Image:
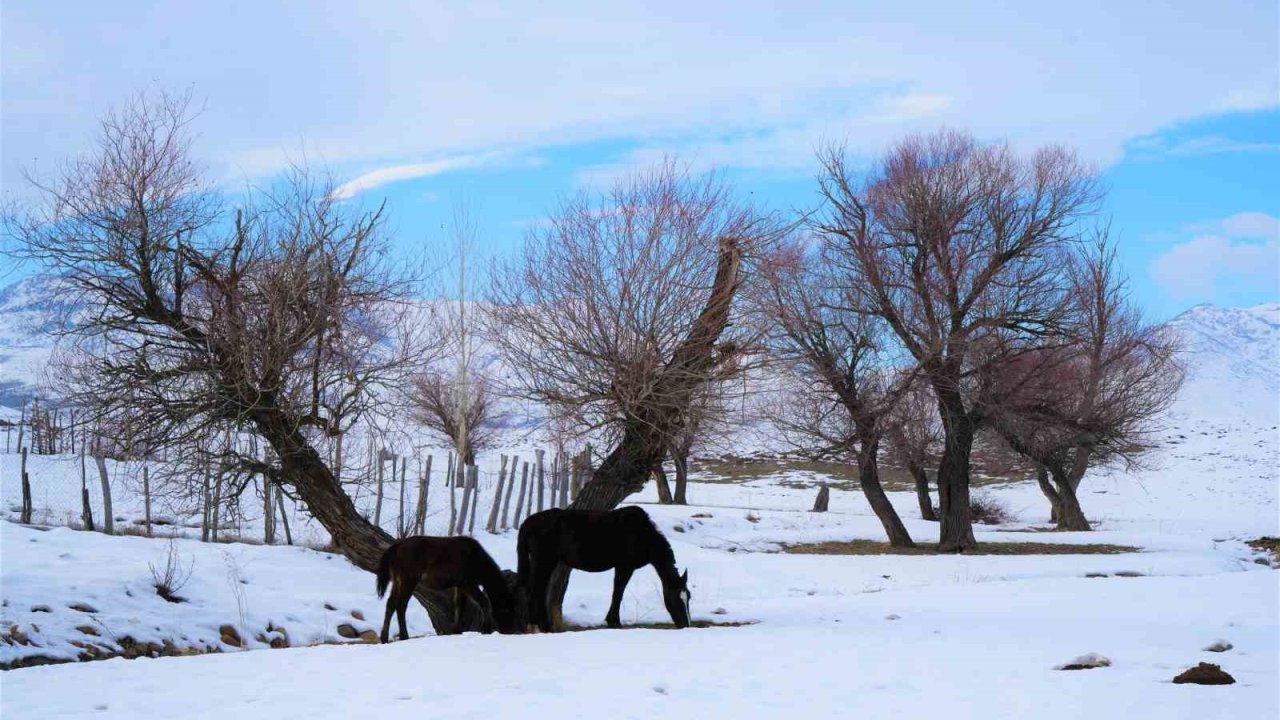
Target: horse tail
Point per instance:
(384, 568)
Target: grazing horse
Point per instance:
(441, 563)
(595, 541)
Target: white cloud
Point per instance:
(1252, 225)
(1243, 255)
(399, 173)
(761, 85)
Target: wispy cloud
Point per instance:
(400, 173)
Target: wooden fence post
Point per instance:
(449, 482)
(86, 509)
(25, 516)
(108, 517)
(538, 454)
(424, 487)
(511, 483)
(474, 473)
(823, 500)
(492, 525)
(524, 482)
(377, 507)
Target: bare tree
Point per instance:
(957, 247)
(618, 313)
(842, 386)
(437, 405)
(1102, 394)
(203, 324)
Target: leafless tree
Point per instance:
(437, 405)
(842, 385)
(618, 313)
(280, 321)
(1102, 394)
(957, 247)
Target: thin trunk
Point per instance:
(402, 526)
(664, 487)
(377, 506)
(146, 498)
(680, 458)
(463, 512)
(424, 487)
(869, 479)
(921, 477)
(1046, 487)
(284, 517)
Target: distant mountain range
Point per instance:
(1232, 355)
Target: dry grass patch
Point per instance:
(877, 547)
(1269, 545)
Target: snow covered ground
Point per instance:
(826, 635)
(832, 636)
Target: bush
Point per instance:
(170, 577)
(989, 511)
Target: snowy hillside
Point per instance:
(1233, 362)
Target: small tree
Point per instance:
(957, 247)
(1099, 395)
(841, 387)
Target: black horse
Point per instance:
(441, 563)
(623, 539)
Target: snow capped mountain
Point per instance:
(1232, 358)
(31, 311)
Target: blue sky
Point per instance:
(509, 106)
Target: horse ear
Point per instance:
(684, 576)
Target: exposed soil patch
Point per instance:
(1204, 674)
(1268, 545)
(877, 547)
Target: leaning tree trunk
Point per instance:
(1046, 487)
(645, 439)
(869, 479)
(664, 487)
(956, 532)
(1070, 514)
(359, 540)
(921, 477)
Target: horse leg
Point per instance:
(541, 580)
(403, 605)
(391, 608)
(621, 576)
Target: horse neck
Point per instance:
(490, 576)
(663, 560)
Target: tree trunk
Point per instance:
(680, 458)
(1070, 514)
(869, 479)
(664, 488)
(921, 477)
(956, 532)
(284, 518)
(86, 509)
(1046, 487)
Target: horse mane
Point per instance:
(664, 555)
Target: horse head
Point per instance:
(675, 594)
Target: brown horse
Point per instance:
(440, 563)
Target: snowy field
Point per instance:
(830, 636)
(817, 636)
